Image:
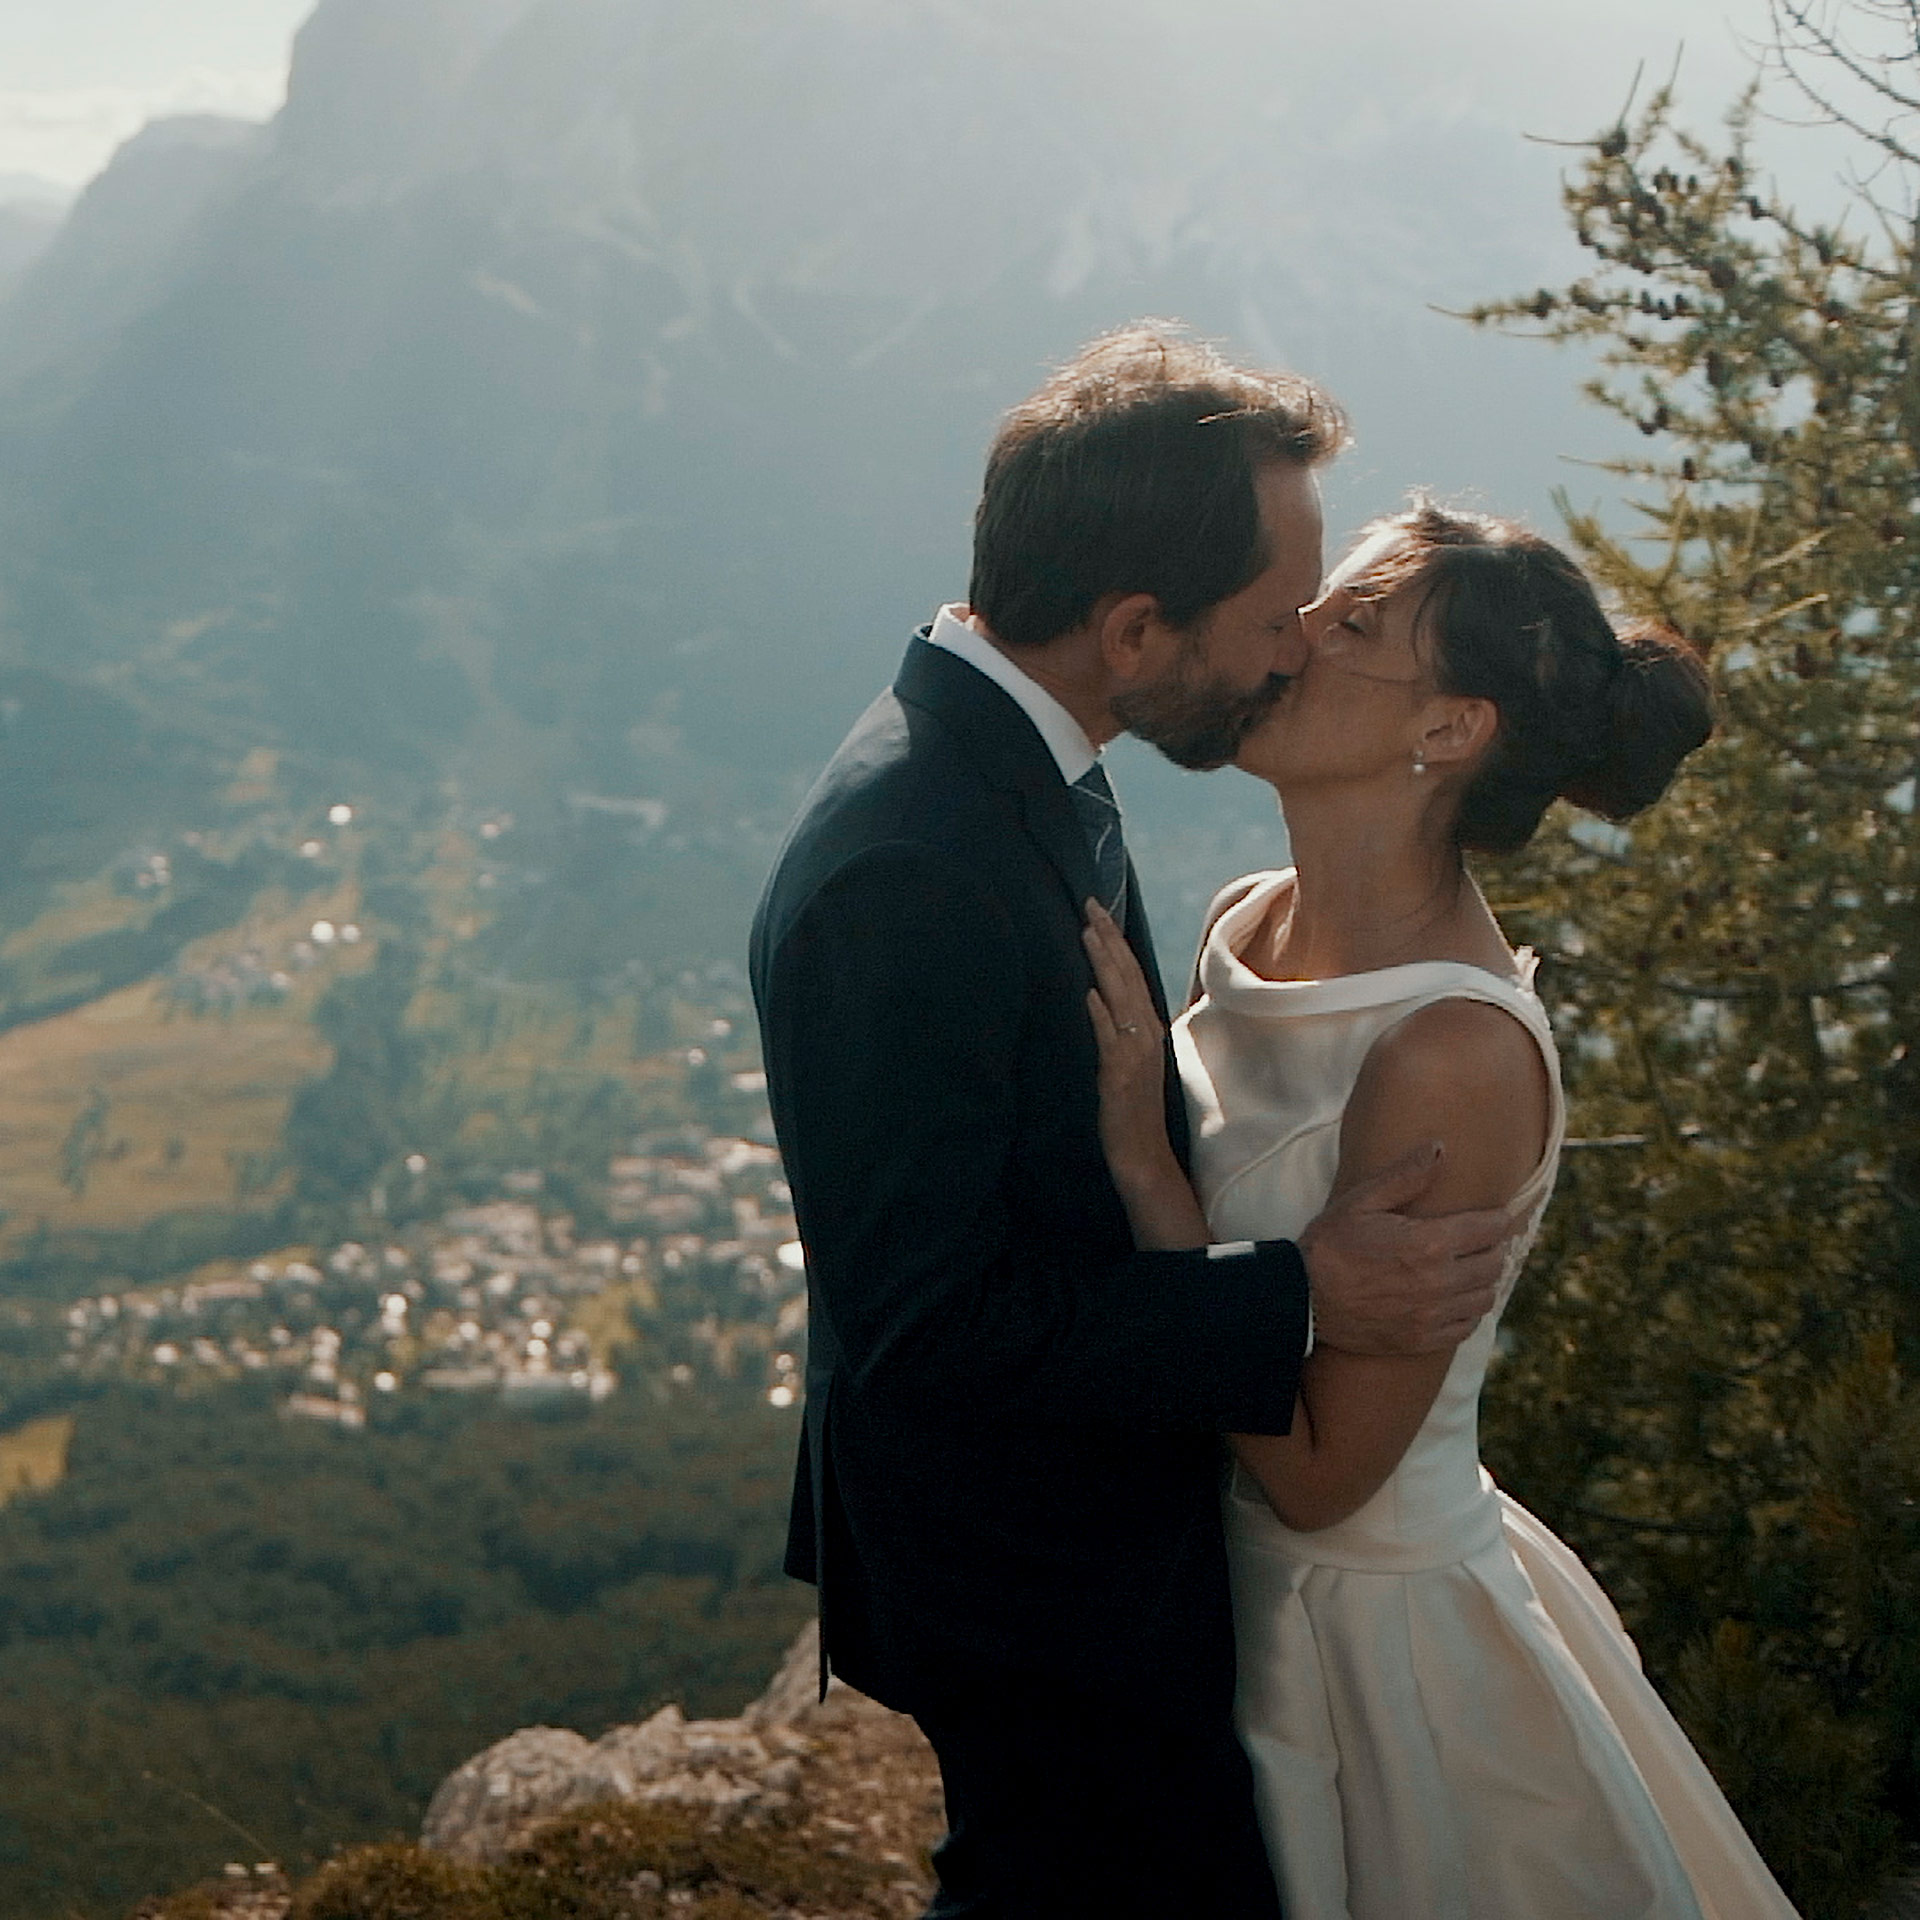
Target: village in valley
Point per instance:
(701, 1283)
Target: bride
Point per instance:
(1444, 1714)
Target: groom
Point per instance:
(1009, 1472)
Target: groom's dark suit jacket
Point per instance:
(1011, 1456)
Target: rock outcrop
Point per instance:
(730, 1810)
(787, 1745)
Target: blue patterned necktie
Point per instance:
(1099, 815)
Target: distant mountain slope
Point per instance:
(31, 210)
(566, 407)
(25, 233)
(121, 247)
(551, 364)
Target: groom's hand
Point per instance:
(1387, 1282)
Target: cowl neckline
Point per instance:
(1227, 980)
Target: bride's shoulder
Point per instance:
(1460, 1039)
(1460, 1065)
(1465, 1074)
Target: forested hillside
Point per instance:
(226, 1632)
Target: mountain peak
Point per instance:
(373, 84)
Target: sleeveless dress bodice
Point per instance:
(1444, 1713)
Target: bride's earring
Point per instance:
(1419, 761)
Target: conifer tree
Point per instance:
(1711, 1387)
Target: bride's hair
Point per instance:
(1589, 712)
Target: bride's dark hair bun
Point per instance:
(1660, 709)
(1587, 713)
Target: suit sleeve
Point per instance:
(893, 1012)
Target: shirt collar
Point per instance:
(1066, 739)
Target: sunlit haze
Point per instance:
(78, 76)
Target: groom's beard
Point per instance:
(1196, 723)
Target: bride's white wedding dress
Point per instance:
(1445, 1717)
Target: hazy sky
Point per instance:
(78, 76)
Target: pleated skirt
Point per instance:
(1470, 1736)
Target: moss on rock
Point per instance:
(615, 1861)
(397, 1881)
(605, 1860)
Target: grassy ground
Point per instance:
(34, 1457)
(182, 1103)
(81, 909)
(186, 1101)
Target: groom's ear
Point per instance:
(1132, 636)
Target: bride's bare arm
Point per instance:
(1471, 1076)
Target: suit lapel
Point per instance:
(1004, 744)
(1008, 749)
(1055, 828)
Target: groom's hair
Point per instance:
(1132, 471)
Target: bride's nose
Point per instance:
(1292, 646)
(1320, 623)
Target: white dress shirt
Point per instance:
(1066, 738)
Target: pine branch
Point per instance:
(1829, 46)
